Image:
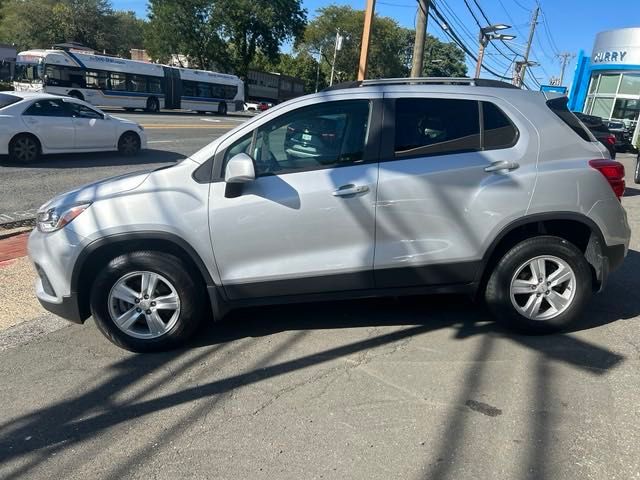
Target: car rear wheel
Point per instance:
(540, 286)
(147, 301)
(24, 148)
(129, 144)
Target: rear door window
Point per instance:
(6, 100)
(436, 126)
(48, 108)
(499, 132)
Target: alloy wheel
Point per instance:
(25, 149)
(144, 304)
(543, 288)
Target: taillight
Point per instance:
(614, 173)
(611, 139)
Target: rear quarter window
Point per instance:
(6, 100)
(559, 107)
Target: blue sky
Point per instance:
(565, 25)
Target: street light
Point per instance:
(487, 34)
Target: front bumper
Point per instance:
(54, 255)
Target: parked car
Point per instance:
(33, 124)
(462, 186)
(264, 105)
(623, 136)
(599, 130)
(251, 106)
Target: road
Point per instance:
(419, 388)
(172, 136)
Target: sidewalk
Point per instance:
(13, 247)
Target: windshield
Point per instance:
(29, 72)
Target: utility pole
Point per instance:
(366, 39)
(532, 30)
(565, 58)
(421, 32)
(337, 46)
(318, 68)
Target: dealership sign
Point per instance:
(610, 56)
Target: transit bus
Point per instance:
(117, 82)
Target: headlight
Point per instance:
(55, 218)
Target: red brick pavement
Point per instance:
(13, 247)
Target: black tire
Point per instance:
(153, 105)
(222, 108)
(497, 292)
(76, 94)
(190, 292)
(636, 177)
(129, 144)
(24, 148)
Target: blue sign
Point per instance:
(553, 89)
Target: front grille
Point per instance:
(46, 284)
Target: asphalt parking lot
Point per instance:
(413, 388)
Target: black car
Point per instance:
(600, 131)
(623, 136)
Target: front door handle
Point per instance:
(502, 165)
(350, 189)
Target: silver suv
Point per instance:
(385, 187)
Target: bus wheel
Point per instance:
(153, 105)
(129, 144)
(222, 108)
(76, 94)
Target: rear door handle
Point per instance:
(502, 165)
(350, 189)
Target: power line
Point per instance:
(490, 23)
(521, 6)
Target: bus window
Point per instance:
(61, 76)
(155, 85)
(230, 92)
(189, 88)
(137, 83)
(203, 90)
(96, 79)
(118, 81)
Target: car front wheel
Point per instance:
(541, 285)
(147, 301)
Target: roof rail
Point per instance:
(475, 82)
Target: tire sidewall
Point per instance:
(125, 135)
(170, 267)
(24, 162)
(153, 105)
(498, 288)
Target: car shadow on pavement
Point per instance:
(631, 192)
(120, 398)
(98, 159)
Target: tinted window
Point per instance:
(96, 79)
(433, 126)
(64, 76)
(189, 89)
(155, 85)
(203, 90)
(314, 137)
(82, 111)
(137, 83)
(118, 81)
(6, 100)
(47, 108)
(499, 132)
(559, 107)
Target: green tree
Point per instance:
(390, 50)
(222, 34)
(442, 59)
(42, 23)
(387, 52)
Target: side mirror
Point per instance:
(240, 169)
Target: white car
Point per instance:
(32, 124)
(251, 106)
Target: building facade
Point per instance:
(607, 84)
(7, 62)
